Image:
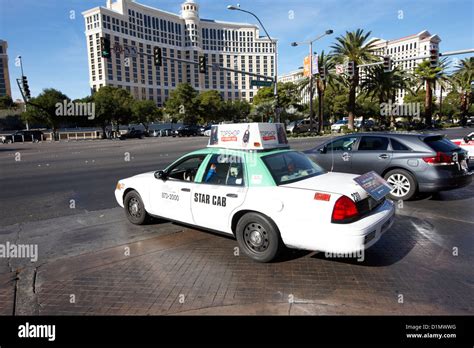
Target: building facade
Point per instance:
(408, 47)
(134, 29)
(5, 87)
(296, 76)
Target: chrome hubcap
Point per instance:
(400, 184)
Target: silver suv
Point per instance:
(409, 162)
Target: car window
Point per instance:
(398, 146)
(224, 170)
(440, 144)
(342, 144)
(186, 169)
(373, 144)
(291, 166)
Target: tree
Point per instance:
(183, 104)
(235, 110)
(264, 95)
(264, 111)
(145, 111)
(112, 104)
(427, 77)
(288, 95)
(462, 79)
(6, 102)
(353, 46)
(42, 109)
(210, 105)
(383, 85)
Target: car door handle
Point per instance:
(232, 195)
(186, 189)
(383, 156)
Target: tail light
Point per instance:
(344, 210)
(440, 159)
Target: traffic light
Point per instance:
(387, 64)
(322, 73)
(202, 64)
(105, 47)
(157, 57)
(26, 88)
(434, 55)
(350, 68)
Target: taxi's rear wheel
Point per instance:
(258, 237)
(134, 208)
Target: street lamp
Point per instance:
(310, 43)
(275, 55)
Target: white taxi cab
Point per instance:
(466, 143)
(248, 183)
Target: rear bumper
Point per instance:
(445, 184)
(352, 237)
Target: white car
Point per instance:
(466, 143)
(336, 127)
(249, 184)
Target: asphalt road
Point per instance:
(46, 180)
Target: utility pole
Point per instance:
(311, 94)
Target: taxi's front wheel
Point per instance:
(258, 237)
(134, 208)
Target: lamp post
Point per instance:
(311, 94)
(275, 55)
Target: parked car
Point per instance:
(161, 132)
(301, 126)
(187, 131)
(466, 143)
(207, 131)
(336, 127)
(22, 136)
(133, 134)
(409, 162)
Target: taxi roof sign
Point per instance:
(248, 136)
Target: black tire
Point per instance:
(134, 208)
(265, 244)
(407, 185)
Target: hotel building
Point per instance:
(5, 88)
(408, 47)
(134, 29)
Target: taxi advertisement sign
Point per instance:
(374, 185)
(248, 136)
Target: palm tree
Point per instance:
(427, 77)
(384, 85)
(353, 46)
(319, 87)
(462, 79)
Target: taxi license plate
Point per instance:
(464, 165)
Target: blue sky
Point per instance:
(53, 45)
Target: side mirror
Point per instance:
(323, 149)
(161, 175)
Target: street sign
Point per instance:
(340, 69)
(259, 83)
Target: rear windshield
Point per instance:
(440, 144)
(288, 167)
